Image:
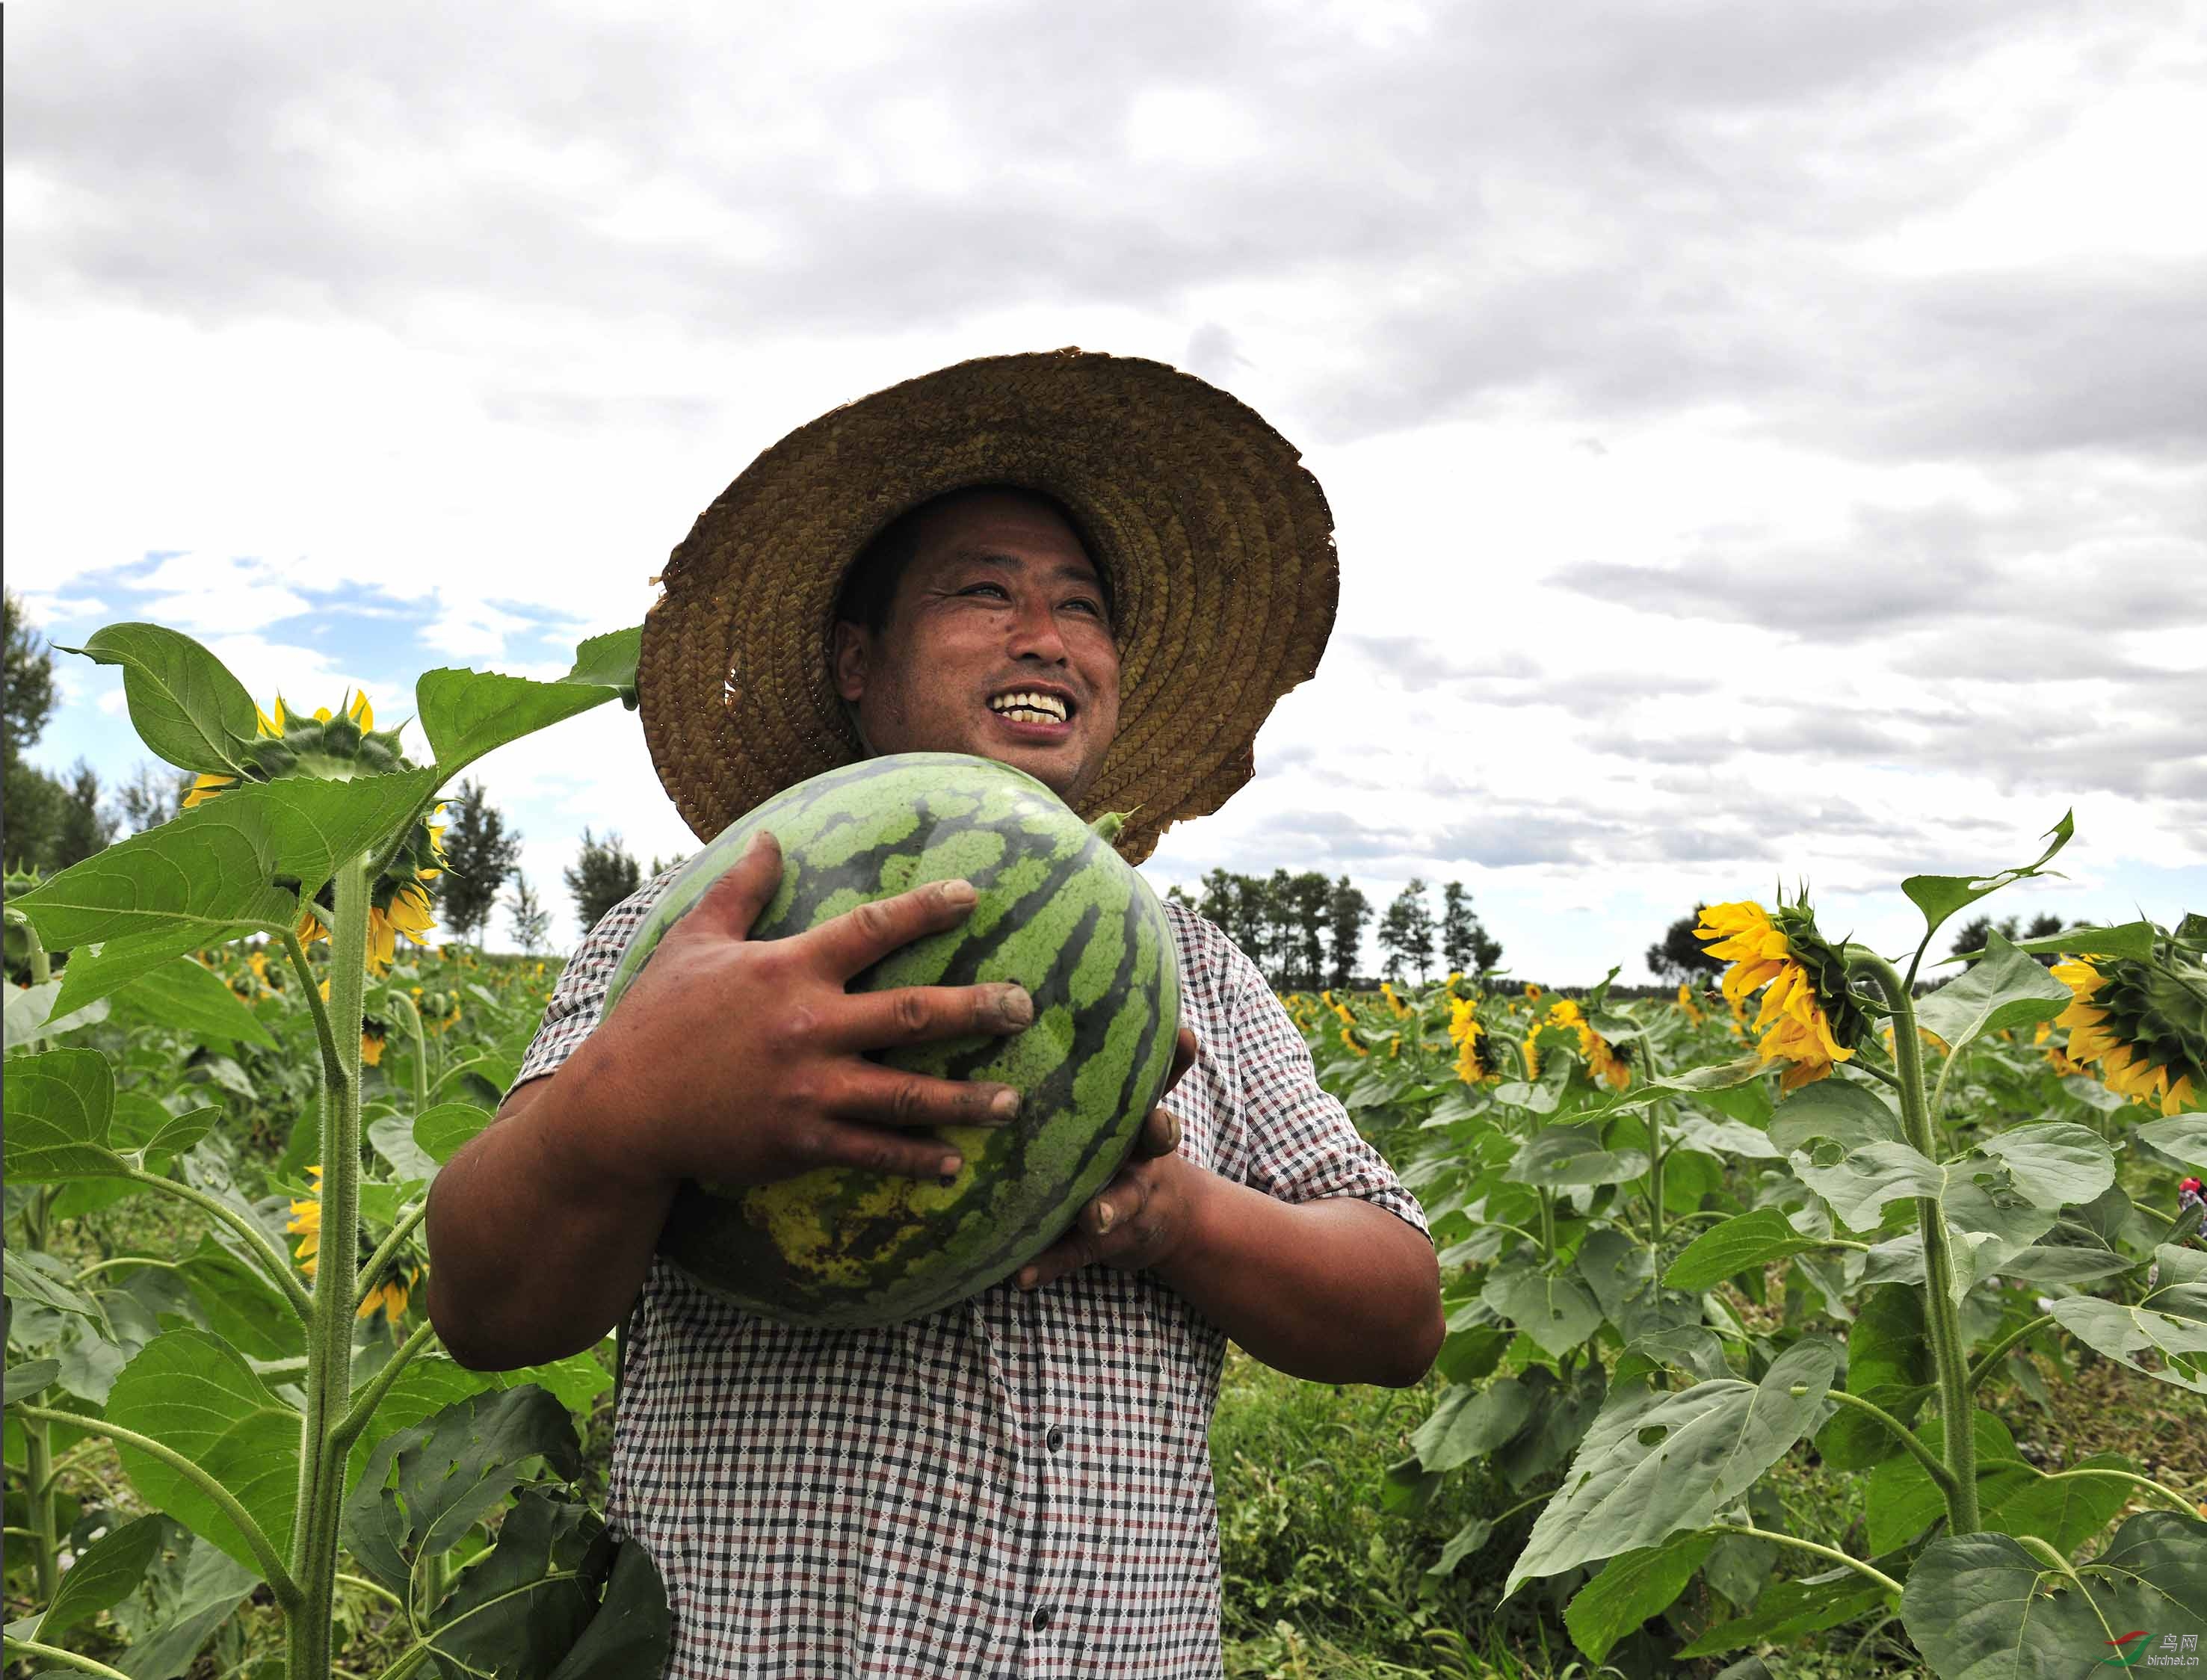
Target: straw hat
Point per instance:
(1217, 544)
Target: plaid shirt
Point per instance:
(1019, 1486)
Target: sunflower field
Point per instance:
(1849, 1308)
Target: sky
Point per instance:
(1765, 443)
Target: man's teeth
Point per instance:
(1029, 708)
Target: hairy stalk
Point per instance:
(329, 1336)
(1941, 1318)
(39, 1437)
(363, 1407)
(421, 1037)
(2094, 1470)
(1934, 1466)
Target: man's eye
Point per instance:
(1086, 605)
(976, 588)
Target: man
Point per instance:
(1104, 573)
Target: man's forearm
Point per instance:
(1333, 1291)
(534, 1256)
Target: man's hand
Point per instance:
(742, 1060)
(1140, 1217)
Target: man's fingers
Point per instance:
(1160, 1135)
(1115, 1208)
(887, 1097)
(1071, 1252)
(922, 1014)
(842, 1143)
(740, 897)
(1183, 1059)
(859, 938)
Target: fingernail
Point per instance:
(1018, 1007)
(1102, 1216)
(958, 894)
(1172, 1130)
(1005, 1104)
(951, 1163)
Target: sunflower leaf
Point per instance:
(1573, 1154)
(106, 1573)
(467, 714)
(2172, 1322)
(1982, 1605)
(2131, 939)
(1655, 1464)
(2005, 990)
(1631, 1589)
(184, 703)
(58, 1107)
(1939, 896)
(194, 1392)
(195, 878)
(1748, 1242)
(191, 997)
(1558, 1313)
(2184, 1137)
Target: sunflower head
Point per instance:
(1809, 1017)
(2144, 1021)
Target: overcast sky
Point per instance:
(1765, 441)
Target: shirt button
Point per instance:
(1055, 1438)
(1042, 1618)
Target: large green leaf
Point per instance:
(1700, 1082)
(200, 875)
(1835, 1109)
(96, 972)
(1746, 1242)
(192, 998)
(1791, 1609)
(1573, 1154)
(2172, 1322)
(2067, 1265)
(1654, 1464)
(1563, 1412)
(633, 1629)
(2129, 939)
(30, 1014)
(240, 1305)
(1721, 1137)
(58, 1105)
(1621, 1275)
(391, 1137)
(443, 1131)
(105, 1572)
(467, 714)
(2006, 988)
(40, 1279)
(1470, 1423)
(1558, 1313)
(184, 703)
(212, 1588)
(1983, 1607)
(452, 1470)
(193, 1392)
(1939, 896)
(2183, 1137)
(1631, 1589)
(2056, 1165)
(517, 1611)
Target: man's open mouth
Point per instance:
(1028, 705)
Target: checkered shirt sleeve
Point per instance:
(1018, 1486)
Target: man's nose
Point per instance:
(1035, 634)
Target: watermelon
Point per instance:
(1061, 913)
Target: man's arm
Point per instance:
(730, 1060)
(1337, 1290)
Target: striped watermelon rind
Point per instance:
(1059, 911)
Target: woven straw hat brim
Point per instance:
(1217, 542)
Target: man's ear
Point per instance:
(849, 663)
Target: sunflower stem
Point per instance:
(1942, 1319)
(1999, 1349)
(421, 1050)
(38, 1435)
(329, 1339)
(372, 1268)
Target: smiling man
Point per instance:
(1104, 573)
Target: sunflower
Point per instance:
(1349, 1040)
(1394, 1002)
(339, 747)
(1808, 1017)
(1603, 1061)
(1693, 1010)
(392, 1290)
(1464, 1032)
(2144, 1022)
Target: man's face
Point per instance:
(997, 645)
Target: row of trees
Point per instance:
(1306, 931)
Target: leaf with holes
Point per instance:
(1983, 1606)
(2171, 1322)
(1558, 1313)
(1654, 1464)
